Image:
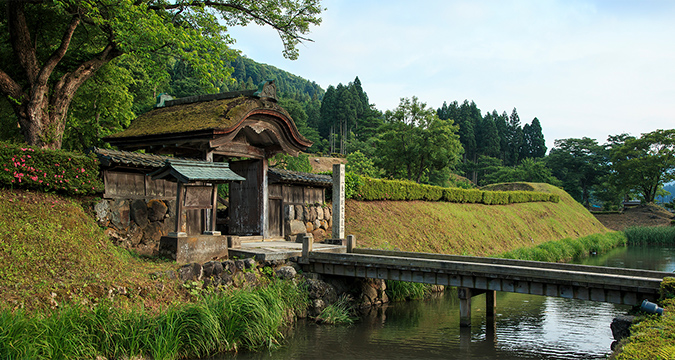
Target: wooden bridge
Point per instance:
(476, 275)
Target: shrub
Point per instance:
(48, 170)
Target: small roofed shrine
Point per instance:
(197, 190)
(244, 128)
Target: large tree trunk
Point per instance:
(42, 105)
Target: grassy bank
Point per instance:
(469, 229)
(231, 320)
(51, 252)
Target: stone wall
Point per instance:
(137, 224)
(312, 219)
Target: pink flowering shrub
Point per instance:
(22, 166)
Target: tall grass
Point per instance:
(339, 312)
(231, 320)
(656, 235)
(404, 290)
(569, 249)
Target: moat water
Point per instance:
(525, 327)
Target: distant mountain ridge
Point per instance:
(249, 73)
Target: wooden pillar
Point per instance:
(180, 197)
(214, 207)
(464, 306)
(338, 201)
(264, 199)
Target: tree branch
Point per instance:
(9, 87)
(20, 39)
(219, 5)
(59, 53)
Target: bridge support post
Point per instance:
(464, 306)
(465, 295)
(490, 302)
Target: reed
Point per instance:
(655, 235)
(569, 249)
(229, 320)
(404, 290)
(340, 312)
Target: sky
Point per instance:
(584, 68)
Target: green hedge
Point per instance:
(22, 166)
(365, 188)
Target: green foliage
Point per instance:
(22, 166)
(404, 290)
(293, 163)
(644, 164)
(360, 164)
(402, 190)
(93, 33)
(414, 141)
(338, 313)
(242, 319)
(652, 235)
(668, 288)
(529, 170)
(353, 183)
(580, 164)
(569, 249)
(652, 337)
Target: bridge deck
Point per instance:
(621, 286)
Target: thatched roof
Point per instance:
(198, 124)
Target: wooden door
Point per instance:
(275, 212)
(245, 198)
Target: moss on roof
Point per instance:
(210, 115)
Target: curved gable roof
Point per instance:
(210, 121)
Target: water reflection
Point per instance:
(524, 327)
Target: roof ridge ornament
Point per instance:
(267, 90)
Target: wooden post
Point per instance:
(464, 306)
(179, 207)
(307, 244)
(351, 243)
(264, 199)
(214, 208)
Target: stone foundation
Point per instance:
(310, 219)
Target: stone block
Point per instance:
(319, 212)
(297, 227)
(286, 272)
(289, 212)
(309, 226)
(120, 214)
(152, 233)
(193, 248)
(139, 213)
(319, 235)
(156, 210)
(317, 224)
(299, 213)
(102, 209)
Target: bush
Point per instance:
(365, 188)
(48, 170)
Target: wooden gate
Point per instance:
(245, 198)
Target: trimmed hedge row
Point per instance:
(21, 166)
(378, 189)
